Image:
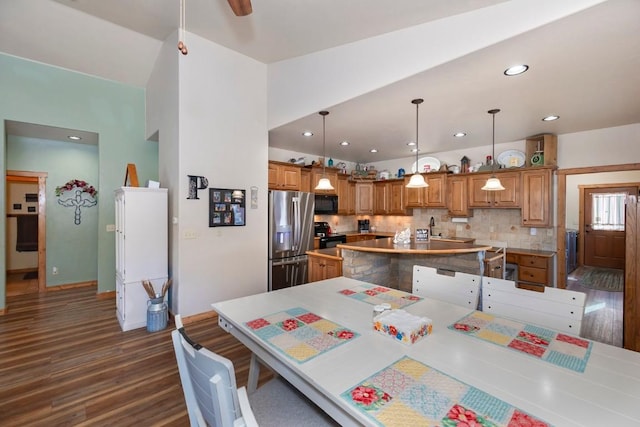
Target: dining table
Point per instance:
(320, 337)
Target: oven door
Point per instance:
(332, 241)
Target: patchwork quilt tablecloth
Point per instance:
(375, 294)
(300, 334)
(410, 393)
(554, 347)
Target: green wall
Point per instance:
(46, 95)
(72, 248)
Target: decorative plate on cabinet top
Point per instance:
(426, 164)
(511, 159)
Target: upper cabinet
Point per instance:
(389, 197)
(364, 198)
(457, 198)
(536, 197)
(330, 173)
(541, 150)
(284, 176)
(507, 198)
(305, 180)
(346, 195)
(433, 196)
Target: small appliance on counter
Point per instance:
(363, 225)
(327, 238)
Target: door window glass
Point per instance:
(608, 211)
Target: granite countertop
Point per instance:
(431, 247)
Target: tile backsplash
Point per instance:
(486, 224)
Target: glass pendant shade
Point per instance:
(493, 184)
(324, 183)
(417, 180)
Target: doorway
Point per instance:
(32, 279)
(626, 175)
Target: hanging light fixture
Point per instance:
(493, 183)
(324, 183)
(417, 180)
(182, 47)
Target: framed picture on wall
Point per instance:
(226, 207)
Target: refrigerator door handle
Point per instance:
(289, 262)
(296, 216)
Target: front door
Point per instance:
(604, 226)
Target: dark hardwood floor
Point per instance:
(603, 316)
(65, 362)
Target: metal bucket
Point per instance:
(157, 314)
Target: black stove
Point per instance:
(327, 238)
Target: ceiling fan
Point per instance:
(241, 7)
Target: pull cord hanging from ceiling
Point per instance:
(182, 47)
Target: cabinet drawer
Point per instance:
(532, 261)
(530, 274)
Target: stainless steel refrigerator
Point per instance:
(290, 236)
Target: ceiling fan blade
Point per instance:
(241, 7)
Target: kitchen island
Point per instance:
(384, 263)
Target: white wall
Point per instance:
(222, 136)
(610, 146)
(336, 75)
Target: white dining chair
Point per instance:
(451, 286)
(212, 398)
(559, 309)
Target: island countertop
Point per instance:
(430, 247)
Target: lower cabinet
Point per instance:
(534, 271)
(321, 268)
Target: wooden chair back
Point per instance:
(461, 289)
(559, 309)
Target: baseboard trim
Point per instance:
(72, 286)
(198, 317)
(106, 295)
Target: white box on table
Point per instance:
(402, 326)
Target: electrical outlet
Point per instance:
(190, 234)
(54, 270)
(533, 231)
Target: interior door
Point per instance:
(604, 223)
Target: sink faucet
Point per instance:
(432, 223)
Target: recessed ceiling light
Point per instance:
(344, 143)
(373, 150)
(459, 134)
(74, 137)
(516, 69)
(550, 118)
(411, 143)
(307, 133)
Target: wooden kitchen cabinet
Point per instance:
(322, 268)
(352, 238)
(547, 144)
(536, 197)
(507, 198)
(332, 176)
(364, 198)
(305, 180)
(380, 198)
(346, 195)
(284, 176)
(433, 196)
(457, 198)
(534, 271)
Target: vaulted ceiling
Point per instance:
(583, 67)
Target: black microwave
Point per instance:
(326, 205)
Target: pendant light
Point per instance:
(493, 183)
(417, 180)
(324, 183)
(182, 47)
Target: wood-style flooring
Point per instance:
(603, 316)
(64, 361)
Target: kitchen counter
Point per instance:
(423, 248)
(533, 252)
(331, 253)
